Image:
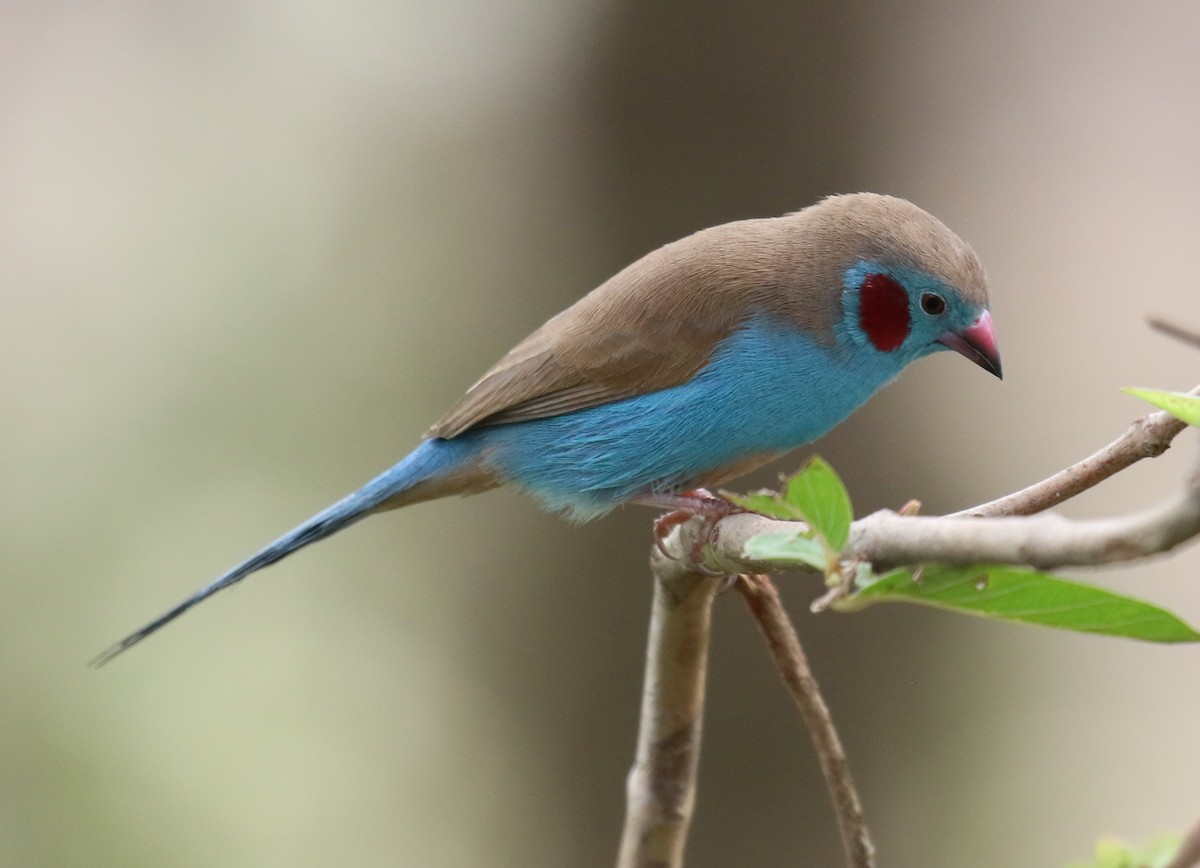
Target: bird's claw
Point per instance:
(696, 503)
(664, 524)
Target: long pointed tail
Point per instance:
(434, 469)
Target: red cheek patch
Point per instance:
(883, 312)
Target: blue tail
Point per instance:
(434, 469)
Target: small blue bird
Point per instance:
(702, 360)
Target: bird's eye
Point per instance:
(933, 304)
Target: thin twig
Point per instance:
(661, 789)
(763, 600)
(1175, 330)
(1148, 437)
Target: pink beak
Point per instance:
(978, 343)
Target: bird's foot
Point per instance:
(698, 501)
(685, 506)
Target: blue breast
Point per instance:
(769, 387)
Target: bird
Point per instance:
(702, 360)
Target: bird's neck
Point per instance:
(798, 388)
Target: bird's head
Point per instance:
(908, 285)
(911, 313)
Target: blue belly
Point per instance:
(768, 388)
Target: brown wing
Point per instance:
(650, 327)
(655, 324)
(568, 365)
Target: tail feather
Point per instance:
(433, 469)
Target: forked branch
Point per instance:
(1006, 530)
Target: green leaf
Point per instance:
(1115, 853)
(765, 503)
(1027, 596)
(787, 547)
(819, 495)
(1158, 853)
(1179, 404)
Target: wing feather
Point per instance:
(649, 327)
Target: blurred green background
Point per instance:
(249, 250)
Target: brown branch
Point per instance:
(1042, 541)
(763, 600)
(1175, 330)
(661, 789)
(882, 539)
(1148, 437)
(688, 564)
(886, 539)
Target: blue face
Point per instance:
(901, 312)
